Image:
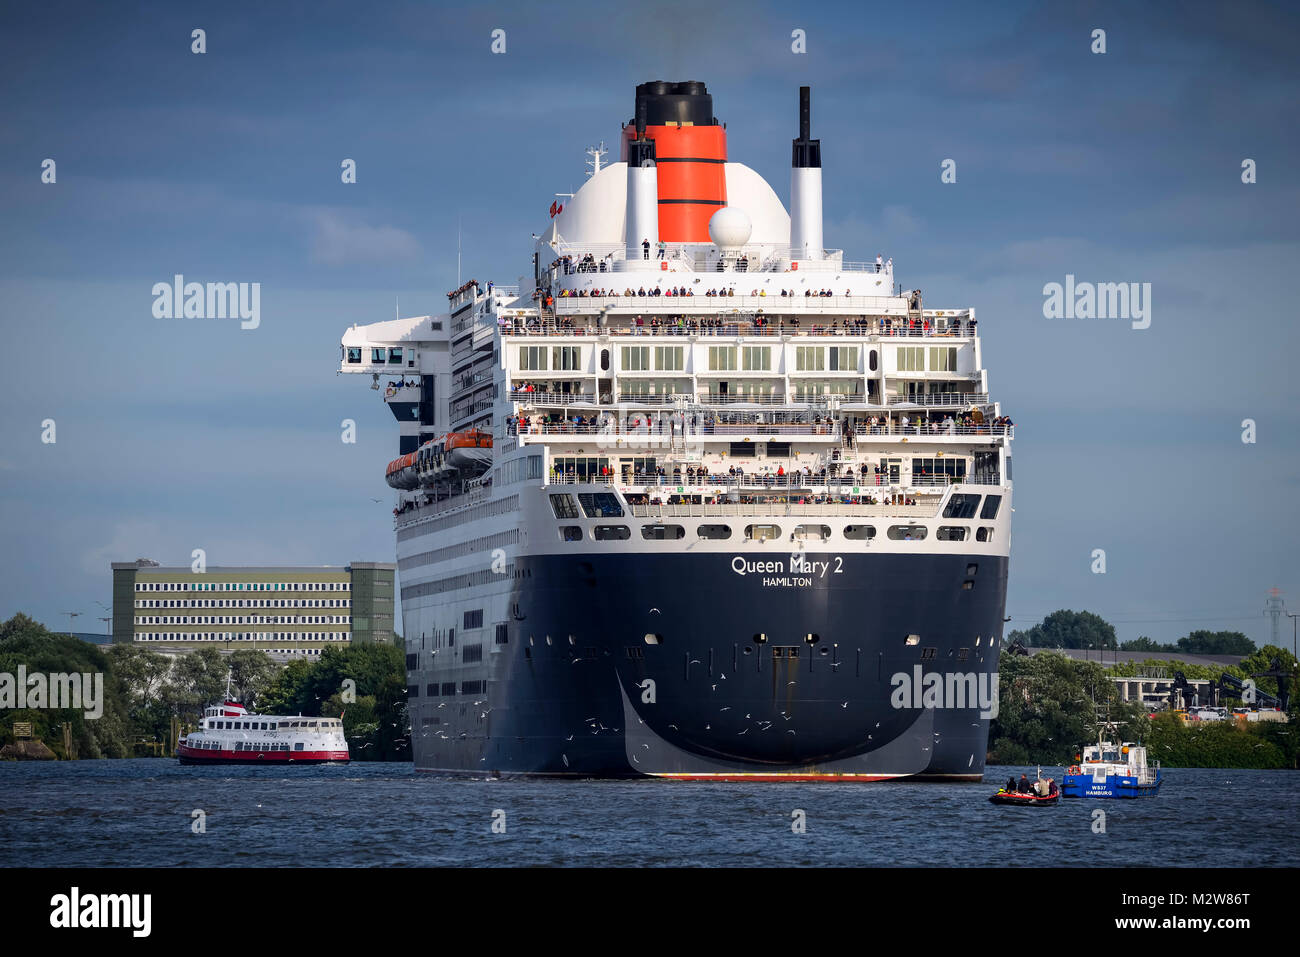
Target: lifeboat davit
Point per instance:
(455, 455)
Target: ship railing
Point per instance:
(941, 399)
(688, 314)
(550, 398)
(816, 484)
(780, 428)
(767, 428)
(782, 509)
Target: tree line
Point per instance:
(149, 697)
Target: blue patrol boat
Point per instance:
(1112, 770)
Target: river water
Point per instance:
(141, 812)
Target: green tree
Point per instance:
(1216, 643)
(1143, 643)
(251, 673)
(1069, 629)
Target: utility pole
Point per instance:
(72, 616)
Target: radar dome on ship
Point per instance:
(730, 227)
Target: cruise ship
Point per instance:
(696, 497)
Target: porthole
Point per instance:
(859, 533)
(811, 639)
(913, 640)
(714, 531)
(760, 638)
(652, 639)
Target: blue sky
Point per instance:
(1123, 167)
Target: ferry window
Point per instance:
(570, 533)
(604, 360)
(872, 360)
(395, 356)
(297, 746)
(859, 533)
(907, 533)
(762, 533)
(943, 359)
(376, 355)
(607, 533)
(659, 533)
(563, 506)
(952, 533)
(714, 531)
(984, 534)
(742, 449)
(991, 505)
(961, 506)
(938, 471)
(778, 450)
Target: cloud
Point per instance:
(337, 242)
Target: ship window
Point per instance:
(376, 355)
(762, 533)
(991, 504)
(502, 634)
(604, 360)
(813, 531)
(859, 533)
(983, 534)
(570, 533)
(564, 506)
(872, 359)
(611, 533)
(714, 531)
(354, 355)
(952, 533)
(972, 569)
(760, 638)
(654, 639)
(297, 746)
(600, 504)
(811, 639)
(912, 640)
(961, 506)
(907, 533)
(395, 356)
(967, 585)
(659, 533)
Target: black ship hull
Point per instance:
(734, 667)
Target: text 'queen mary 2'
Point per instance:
(699, 498)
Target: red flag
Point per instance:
(552, 210)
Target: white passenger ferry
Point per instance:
(230, 734)
(692, 498)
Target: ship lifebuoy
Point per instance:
(1073, 770)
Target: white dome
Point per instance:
(730, 227)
